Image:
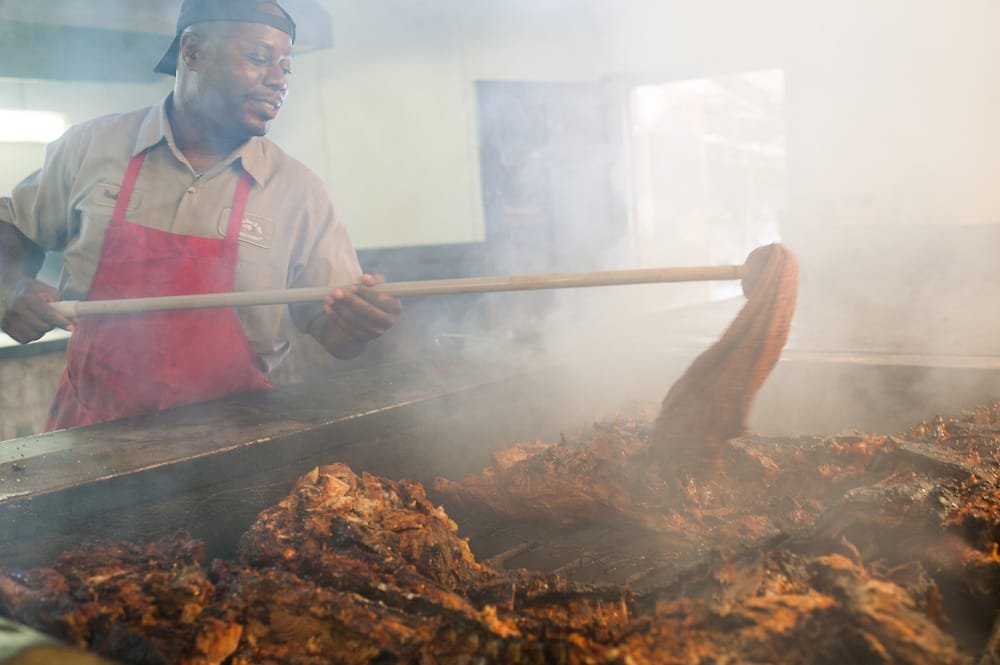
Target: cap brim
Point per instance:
(168, 63)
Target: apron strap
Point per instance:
(239, 207)
(128, 185)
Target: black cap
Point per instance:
(202, 11)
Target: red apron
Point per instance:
(128, 364)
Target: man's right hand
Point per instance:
(28, 314)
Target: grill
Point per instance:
(211, 468)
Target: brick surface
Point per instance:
(27, 386)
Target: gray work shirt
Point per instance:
(290, 236)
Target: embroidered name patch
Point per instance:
(106, 194)
(253, 230)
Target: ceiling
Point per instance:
(112, 40)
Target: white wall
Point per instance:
(399, 144)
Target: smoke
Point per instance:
(871, 164)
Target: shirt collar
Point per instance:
(254, 160)
(155, 128)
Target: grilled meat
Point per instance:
(577, 480)
(777, 607)
(136, 603)
(765, 486)
(856, 548)
(366, 534)
(290, 620)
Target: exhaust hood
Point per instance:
(112, 40)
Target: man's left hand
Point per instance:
(358, 314)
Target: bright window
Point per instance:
(19, 126)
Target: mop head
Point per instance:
(711, 402)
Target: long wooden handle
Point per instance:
(75, 308)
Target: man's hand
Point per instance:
(357, 315)
(28, 314)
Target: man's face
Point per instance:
(244, 77)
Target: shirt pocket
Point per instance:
(92, 218)
(95, 209)
(103, 197)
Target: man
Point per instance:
(184, 197)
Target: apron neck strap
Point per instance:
(239, 205)
(128, 185)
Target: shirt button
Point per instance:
(191, 190)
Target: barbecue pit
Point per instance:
(218, 465)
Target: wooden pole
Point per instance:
(75, 308)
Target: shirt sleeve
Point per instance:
(39, 206)
(331, 261)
